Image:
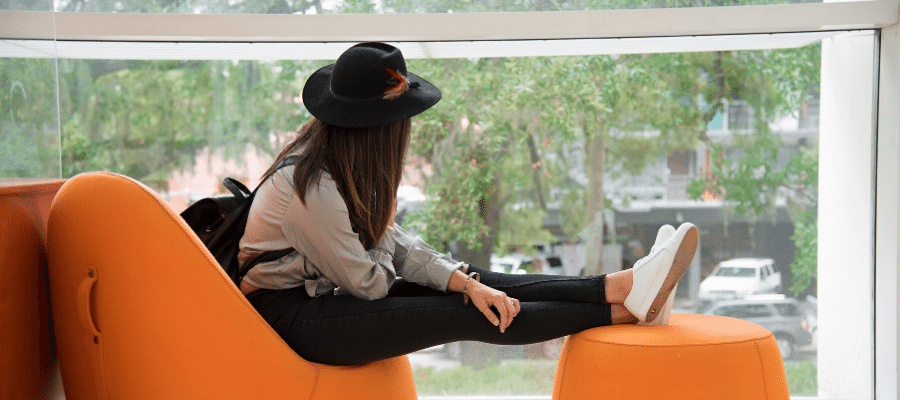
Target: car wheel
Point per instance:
(785, 346)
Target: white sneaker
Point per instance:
(665, 232)
(656, 275)
(663, 319)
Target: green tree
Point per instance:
(148, 118)
(774, 83)
(29, 123)
(596, 103)
(502, 140)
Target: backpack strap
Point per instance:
(236, 188)
(265, 256)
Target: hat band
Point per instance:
(409, 85)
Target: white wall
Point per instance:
(846, 211)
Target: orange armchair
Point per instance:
(142, 310)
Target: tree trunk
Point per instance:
(477, 354)
(490, 214)
(536, 171)
(596, 147)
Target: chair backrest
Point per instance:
(142, 310)
(27, 352)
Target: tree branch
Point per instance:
(537, 167)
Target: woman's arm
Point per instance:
(320, 230)
(417, 262)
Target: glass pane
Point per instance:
(29, 122)
(500, 172)
(26, 5)
(679, 144)
(179, 126)
(383, 7)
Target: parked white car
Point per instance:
(741, 277)
(508, 264)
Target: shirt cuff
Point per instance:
(441, 270)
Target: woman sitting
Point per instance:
(359, 288)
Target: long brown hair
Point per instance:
(365, 163)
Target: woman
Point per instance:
(335, 205)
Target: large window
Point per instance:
(751, 137)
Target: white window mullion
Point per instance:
(887, 233)
(846, 224)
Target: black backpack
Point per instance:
(220, 221)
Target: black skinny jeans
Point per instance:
(339, 329)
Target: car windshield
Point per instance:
(738, 272)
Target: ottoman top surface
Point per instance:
(683, 330)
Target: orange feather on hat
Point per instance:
(401, 87)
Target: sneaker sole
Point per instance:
(683, 258)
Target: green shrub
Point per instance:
(801, 378)
(506, 379)
(532, 379)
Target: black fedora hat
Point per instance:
(367, 86)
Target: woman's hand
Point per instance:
(485, 297)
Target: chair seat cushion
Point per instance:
(694, 357)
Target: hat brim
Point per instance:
(322, 104)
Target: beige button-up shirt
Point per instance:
(328, 252)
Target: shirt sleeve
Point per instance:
(321, 231)
(418, 262)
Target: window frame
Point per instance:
(805, 17)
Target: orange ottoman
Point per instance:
(694, 357)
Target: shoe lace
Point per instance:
(654, 251)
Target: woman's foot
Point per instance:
(618, 284)
(655, 276)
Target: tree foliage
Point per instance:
(148, 118)
(29, 123)
(774, 83)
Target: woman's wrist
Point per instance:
(457, 281)
(475, 279)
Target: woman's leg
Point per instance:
(344, 330)
(608, 289)
(532, 287)
(537, 287)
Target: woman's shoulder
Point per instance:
(325, 190)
